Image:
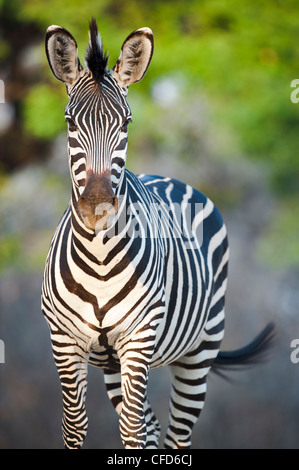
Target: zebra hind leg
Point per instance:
(113, 387)
(188, 391)
(153, 427)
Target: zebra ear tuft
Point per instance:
(135, 57)
(62, 54)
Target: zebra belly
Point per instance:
(187, 305)
(194, 248)
(194, 298)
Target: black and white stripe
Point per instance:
(136, 287)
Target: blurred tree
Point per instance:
(244, 57)
(241, 56)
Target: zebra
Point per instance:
(136, 273)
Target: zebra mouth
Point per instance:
(101, 216)
(97, 205)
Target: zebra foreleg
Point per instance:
(71, 363)
(134, 359)
(113, 387)
(188, 391)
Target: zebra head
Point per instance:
(97, 115)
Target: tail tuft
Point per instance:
(256, 352)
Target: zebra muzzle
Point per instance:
(97, 205)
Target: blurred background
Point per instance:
(216, 110)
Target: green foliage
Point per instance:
(240, 56)
(44, 112)
(243, 56)
(279, 246)
(10, 251)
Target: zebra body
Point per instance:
(188, 297)
(136, 273)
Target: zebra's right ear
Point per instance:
(62, 54)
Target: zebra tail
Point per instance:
(256, 352)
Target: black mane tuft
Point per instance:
(96, 59)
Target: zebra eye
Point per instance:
(71, 124)
(125, 124)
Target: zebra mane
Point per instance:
(95, 58)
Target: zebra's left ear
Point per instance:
(135, 57)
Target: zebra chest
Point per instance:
(100, 297)
(98, 288)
